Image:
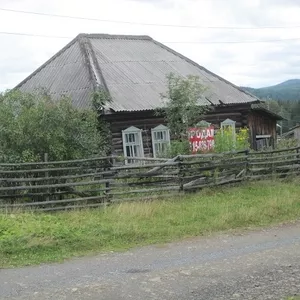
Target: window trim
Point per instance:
(159, 128)
(132, 130)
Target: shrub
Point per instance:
(34, 124)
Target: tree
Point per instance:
(183, 107)
(182, 104)
(34, 124)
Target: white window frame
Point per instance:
(167, 141)
(138, 143)
(228, 123)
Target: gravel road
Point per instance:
(262, 264)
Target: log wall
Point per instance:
(257, 122)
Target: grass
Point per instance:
(28, 238)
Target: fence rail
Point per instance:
(53, 186)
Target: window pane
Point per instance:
(131, 138)
(160, 135)
(128, 151)
(157, 148)
(164, 147)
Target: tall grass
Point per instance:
(32, 238)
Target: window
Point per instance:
(132, 143)
(160, 140)
(229, 127)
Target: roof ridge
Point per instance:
(93, 65)
(47, 62)
(115, 36)
(202, 68)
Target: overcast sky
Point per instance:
(249, 64)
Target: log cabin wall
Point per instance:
(260, 123)
(146, 120)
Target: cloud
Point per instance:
(255, 64)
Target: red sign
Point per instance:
(202, 139)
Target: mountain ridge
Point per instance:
(288, 90)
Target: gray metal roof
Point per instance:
(132, 69)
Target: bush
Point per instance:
(225, 141)
(34, 124)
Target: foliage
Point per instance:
(36, 238)
(99, 99)
(182, 108)
(283, 99)
(225, 141)
(287, 143)
(34, 124)
(178, 148)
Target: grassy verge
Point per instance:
(35, 238)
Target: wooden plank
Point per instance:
(274, 151)
(272, 162)
(133, 167)
(258, 159)
(139, 183)
(213, 184)
(40, 179)
(34, 187)
(212, 154)
(32, 171)
(53, 202)
(55, 162)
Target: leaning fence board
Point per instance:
(213, 184)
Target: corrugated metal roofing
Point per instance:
(132, 68)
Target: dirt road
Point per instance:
(263, 264)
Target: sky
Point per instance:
(250, 62)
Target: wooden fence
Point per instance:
(62, 185)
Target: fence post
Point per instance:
(46, 176)
(180, 173)
(247, 169)
(109, 162)
(298, 156)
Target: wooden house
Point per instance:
(133, 70)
